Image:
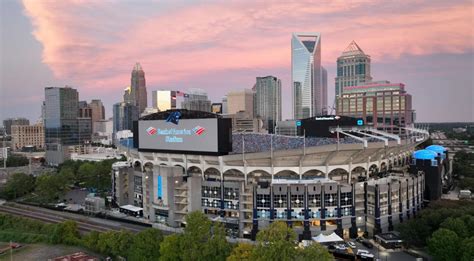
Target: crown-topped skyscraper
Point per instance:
(353, 68)
(136, 94)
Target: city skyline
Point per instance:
(97, 62)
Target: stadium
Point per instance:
(357, 183)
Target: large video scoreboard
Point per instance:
(174, 134)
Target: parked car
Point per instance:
(360, 239)
(367, 244)
(351, 244)
(365, 255)
(362, 251)
(341, 247)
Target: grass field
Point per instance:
(40, 252)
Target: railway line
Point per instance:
(85, 224)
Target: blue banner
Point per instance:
(160, 188)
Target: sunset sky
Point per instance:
(220, 46)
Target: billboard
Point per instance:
(199, 135)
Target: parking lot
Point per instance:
(384, 255)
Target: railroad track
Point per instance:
(49, 217)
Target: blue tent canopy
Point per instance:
(436, 148)
(425, 154)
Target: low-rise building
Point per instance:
(93, 204)
(27, 136)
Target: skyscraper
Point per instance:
(163, 100)
(324, 84)
(94, 111)
(306, 75)
(224, 105)
(84, 110)
(62, 124)
(98, 110)
(124, 116)
(240, 101)
(353, 68)
(196, 100)
(268, 101)
(136, 93)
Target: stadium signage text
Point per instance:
(329, 118)
(171, 133)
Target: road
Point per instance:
(385, 255)
(85, 224)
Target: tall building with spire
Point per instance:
(136, 93)
(353, 68)
(306, 75)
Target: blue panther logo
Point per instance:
(174, 117)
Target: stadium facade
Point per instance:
(317, 185)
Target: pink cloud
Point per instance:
(95, 43)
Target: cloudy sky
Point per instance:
(220, 46)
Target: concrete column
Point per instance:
(350, 171)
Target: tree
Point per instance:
(414, 233)
(16, 161)
(18, 184)
(242, 252)
(203, 240)
(314, 252)
(87, 175)
(276, 242)
(170, 249)
(103, 170)
(67, 174)
(469, 222)
(456, 225)
(115, 243)
(146, 245)
(91, 240)
(217, 247)
(121, 243)
(467, 249)
(50, 187)
(467, 183)
(444, 245)
(66, 233)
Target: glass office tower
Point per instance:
(124, 114)
(306, 75)
(62, 125)
(268, 101)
